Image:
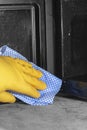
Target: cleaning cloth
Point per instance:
(53, 83)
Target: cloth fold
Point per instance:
(53, 83)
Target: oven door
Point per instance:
(74, 39)
(22, 27)
(17, 29)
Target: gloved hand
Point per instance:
(19, 76)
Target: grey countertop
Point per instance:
(64, 114)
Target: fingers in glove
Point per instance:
(23, 62)
(33, 72)
(6, 97)
(36, 83)
(24, 66)
(29, 70)
(17, 60)
(26, 89)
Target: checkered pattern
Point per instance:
(53, 83)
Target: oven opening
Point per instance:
(79, 39)
(74, 39)
(79, 46)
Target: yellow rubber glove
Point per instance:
(19, 76)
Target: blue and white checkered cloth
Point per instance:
(53, 83)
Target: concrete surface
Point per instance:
(64, 114)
